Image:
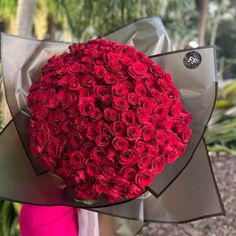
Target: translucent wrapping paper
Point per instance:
(184, 191)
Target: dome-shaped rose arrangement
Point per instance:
(106, 119)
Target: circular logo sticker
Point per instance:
(192, 59)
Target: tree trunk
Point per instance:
(203, 22)
(215, 25)
(25, 12)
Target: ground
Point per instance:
(224, 166)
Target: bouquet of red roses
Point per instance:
(106, 119)
(103, 123)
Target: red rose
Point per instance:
(164, 86)
(146, 103)
(86, 59)
(133, 99)
(117, 128)
(64, 80)
(62, 93)
(128, 117)
(48, 162)
(109, 172)
(120, 184)
(102, 140)
(154, 93)
(167, 77)
(84, 93)
(86, 192)
(176, 154)
(174, 148)
(75, 68)
(41, 135)
(148, 131)
(73, 111)
(186, 117)
(54, 129)
(168, 148)
(38, 111)
(144, 161)
(69, 99)
(64, 170)
(62, 139)
(100, 91)
(174, 94)
(77, 159)
(106, 101)
(87, 148)
(86, 68)
(137, 70)
(179, 127)
(99, 71)
(134, 191)
(80, 124)
(110, 156)
(115, 64)
(98, 154)
(91, 133)
(80, 177)
(102, 127)
(67, 126)
(140, 145)
(126, 60)
(100, 186)
(128, 157)
(62, 70)
(110, 78)
(143, 115)
(165, 99)
(127, 172)
(152, 151)
(161, 137)
(112, 195)
(119, 90)
(86, 106)
(161, 112)
(110, 114)
(140, 89)
(74, 85)
(133, 132)
(47, 94)
(45, 80)
(144, 178)
(53, 102)
(87, 81)
(122, 76)
(176, 108)
(120, 144)
(186, 134)
(76, 139)
(96, 115)
(157, 70)
(92, 169)
(157, 164)
(53, 148)
(120, 104)
(97, 54)
(150, 82)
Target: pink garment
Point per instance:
(48, 221)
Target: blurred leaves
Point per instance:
(9, 219)
(221, 132)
